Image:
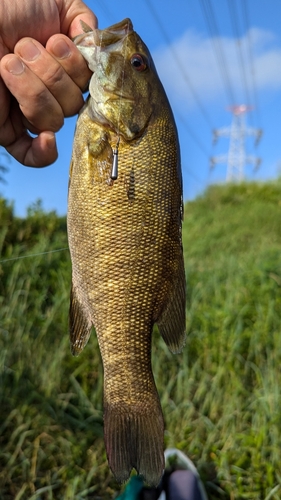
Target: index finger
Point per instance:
(71, 13)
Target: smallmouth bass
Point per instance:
(124, 232)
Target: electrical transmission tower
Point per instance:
(236, 159)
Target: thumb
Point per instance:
(71, 13)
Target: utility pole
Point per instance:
(236, 159)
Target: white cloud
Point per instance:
(195, 54)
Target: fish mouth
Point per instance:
(92, 42)
(105, 37)
(113, 34)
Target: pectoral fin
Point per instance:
(80, 324)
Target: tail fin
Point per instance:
(134, 439)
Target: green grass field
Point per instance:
(221, 397)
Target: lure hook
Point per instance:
(114, 171)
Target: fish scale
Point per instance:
(126, 251)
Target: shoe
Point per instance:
(182, 480)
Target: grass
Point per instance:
(221, 396)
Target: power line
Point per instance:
(186, 78)
(179, 63)
(208, 13)
(193, 135)
(234, 22)
(245, 12)
(105, 10)
(191, 174)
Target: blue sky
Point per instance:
(186, 51)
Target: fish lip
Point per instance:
(114, 33)
(105, 37)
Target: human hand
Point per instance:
(39, 86)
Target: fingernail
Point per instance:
(61, 49)
(29, 51)
(15, 66)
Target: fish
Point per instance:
(125, 210)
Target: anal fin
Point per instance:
(80, 324)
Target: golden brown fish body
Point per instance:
(125, 240)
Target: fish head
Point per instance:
(124, 85)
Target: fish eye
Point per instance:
(139, 62)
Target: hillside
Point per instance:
(220, 397)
